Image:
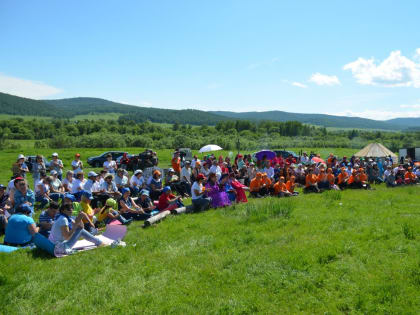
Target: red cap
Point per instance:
(77, 154)
(200, 176)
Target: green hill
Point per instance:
(315, 119)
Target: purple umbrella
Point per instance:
(270, 154)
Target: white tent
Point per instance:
(209, 148)
(375, 150)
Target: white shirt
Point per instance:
(66, 182)
(40, 183)
(269, 171)
(216, 170)
(88, 185)
(387, 173)
(205, 172)
(304, 159)
(10, 186)
(77, 186)
(134, 181)
(110, 166)
(194, 187)
(77, 164)
(186, 172)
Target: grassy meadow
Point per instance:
(336, 252)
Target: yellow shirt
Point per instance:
(86, 208)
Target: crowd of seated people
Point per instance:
(80, 203)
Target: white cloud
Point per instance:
(298, 84)
(396, 70)
(377, 114)
(410, 106)
(26, 88)
(323, 79)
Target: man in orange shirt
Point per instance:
(410, 177)
(176, 163)
(331, 179)
(311, 182)
(343, 178)
(255, 186)
(267, 186)
(280, 189)
(322, 180)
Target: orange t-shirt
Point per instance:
(176, 164)
(311, 180)
(266, 181)
(341, 177)
(279, 188)
(255, 184)
(410, 176)
(322, 177)
(363, 177)
(289, 186)
(331, 178)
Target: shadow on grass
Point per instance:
(40, 254)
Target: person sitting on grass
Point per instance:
(218, 196)
(47, 217)
(22, 195)
(120, 179)
(227, 187)
(65, 232)
(280, 189)
(331, 179)
(137, 182)
(77, 186)
(56, 186)
(267, 184)
(239, 188)
(20, 227)
(145, 202)
(390, 179)
(42, 190)
(323, 183)
(129, 209)
(109, 188)
(311, 182)
(90, 219)
(343, 178)
(68, 181)
(256, 186)
(108, 213)
(168, 201)
(172, 180)
(186, 178)
(291, 185)
(198, 194)
(38, 167)
(410, 178)
(155, 185)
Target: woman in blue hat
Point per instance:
(129, 209)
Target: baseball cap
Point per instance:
(55, 154)
(2, 186)
(144, 192)
(125, 190)
(53, 172)
(138, 172)
(166, 189)
(77, 155)
(87, 195)
(200, 176)
(171, 170)
(20, 156)
(70, 196)
(92, 173)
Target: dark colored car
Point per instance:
(29, 160)
(98, 161)
(285, 154)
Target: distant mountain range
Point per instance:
(68, 108)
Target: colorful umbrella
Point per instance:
(316, 159)
(270, 154)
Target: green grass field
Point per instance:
(336, 252)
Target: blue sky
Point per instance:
(359, 58)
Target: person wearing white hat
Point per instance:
(57, 165)
(137, 182)
(20, 168)
(88, 185)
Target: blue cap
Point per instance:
(87, 195)
(145, 192)
(166, 189)
(125, 190)
(70, 196)
(24, 208)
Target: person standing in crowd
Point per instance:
(110, 165)
(77, 164)
(57, 165)
(38, 167)
(19, 169)
(176, 163)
